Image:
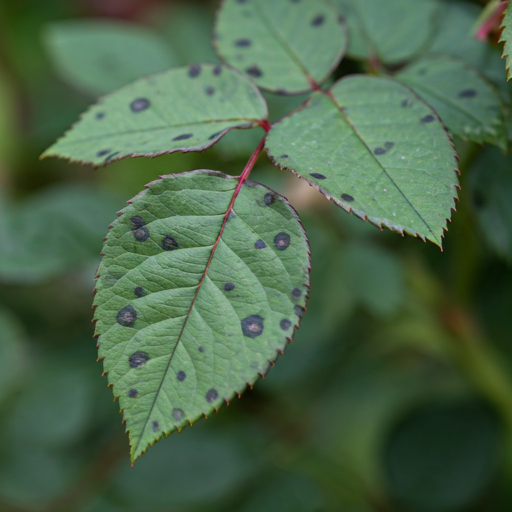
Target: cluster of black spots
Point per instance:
(347, 197)
(260, 244)
(184, 136)
(285, 324)
(282, 241)
(137, 221)
(318, 20)
(269, 198)
(141, 234)
(254, 71)
(379, 151)
(299, 310)
(139, 105)
(252, 326)
(169, 243)
(194, 70)
(177, 414)
(317, 175)
(139, 291)
(126, 316)
(217, 70)
(284, 156)
(211, 395)
(181, 375)
(214, 135)
(100, 115)
(228, 287)
(243, 43)
(112, 155)
(132, 393)
(427, 119)
(405, 103)
(467, 93)
(296, 293)
(138, 359)
(103, 152)
(156, 426)
(210, 91)
(201, 348)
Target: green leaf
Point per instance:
(391, 31)
(468, 105)
(188, 315)
(99, 56)
(506, 37)
(183, 109)
(284, 46)
(374, 148)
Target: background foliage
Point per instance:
(396, 394)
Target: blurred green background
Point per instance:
(396, 394)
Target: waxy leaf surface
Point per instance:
(467, 103)
(184, 324)
(98, 57)
(183, 109)
(506, 37)
(391, 30)
(376, 149)
(281, 44)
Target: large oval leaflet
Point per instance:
(183, 109)
(375, 148)
(180, 330)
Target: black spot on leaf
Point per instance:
(318, 20)
(139, 291)
(427, 119)
(467, 93)
(200, 348)
(112, 155)
(100, 115)
(169, 243)
(211, 395)
(141, 234)
(228, 287)
(181, 375)
(317, 175)
(296, 292)
(132, 393)
(243, 43)
(215, 135)
(404, 103)
(139, 105)
(177, 414)
(379, 151)
(126, 316)
(284, 156)
(347, 197)
(103, 152)
(138, 359)
(252, 326)
(184, 136)
(137, 221)
(389, 145)
(210, 90)
(299, 310)
(217, 70)
(269, 198)
(254, 71)
(260, 244)
(194, 70)
(282, 241)
(156, 426)
(285, 324)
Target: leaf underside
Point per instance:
(506, 38)
(180, 336)
(376, 149)
(281, 44)
(183, 109)
(467, 103)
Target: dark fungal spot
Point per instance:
(252, 326)
(299, 310)
(317, 175)
(285, 324)
(103, 152)
(132, 393)
(200, 348)
(211, 395)
(254, 71)
(100, 115)
(269, 198)
(177, 414)
(318, 20)
(228, 287)
(194, 70)
(139, 291)
(427, 119)
(389, 145)
(404, 103)
(282, 241)
(156, 426)
(139, 105)
(217, 70)
(112, 155)
(284, 156)
(185, 136)
(347, 197)
(260, 244)
(243, 43)
(181, 375)
(141, 234)
(379, 151)
(138, 359)
(467, 93)
(296, 292)
(169, 243)
(210, 91)
(215, 135)
(126, 316)
(137, 221)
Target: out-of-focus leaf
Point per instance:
(6, 119)
(169, 270)
(374, 148)
(183, 109)
(468, 105)
(442, 458)
(391, 31)
(280, 44)
(98, 56)
(506, 38)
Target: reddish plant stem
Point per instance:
(265, 125)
